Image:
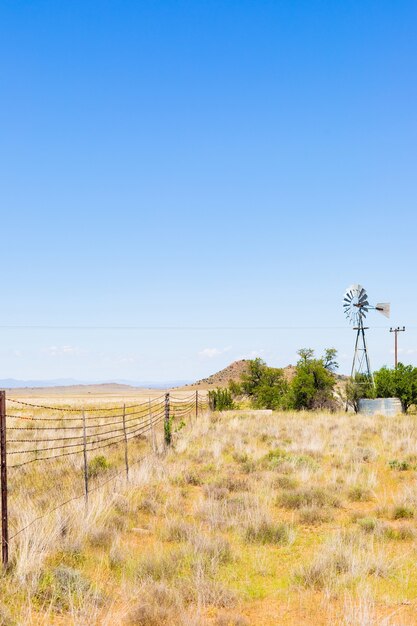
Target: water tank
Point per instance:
(380, 406)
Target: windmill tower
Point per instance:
(356, 306)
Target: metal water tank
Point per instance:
(380, 406)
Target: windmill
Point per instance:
(356, 306)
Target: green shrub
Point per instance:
(403, 512)
(220, 400)
(401, 466)
(368, 524)
(299, 498)
(98, 465)
(359, 494)
(285, 482)
(402, 533)
(277, 457)
(64, 587)
(266, 532)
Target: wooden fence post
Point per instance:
(167, 422)
(85, 461)
(126, 450)
(4, 516)
(196, 403)
(152, 428)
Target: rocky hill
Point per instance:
(231, 372)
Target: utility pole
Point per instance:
(396, 331)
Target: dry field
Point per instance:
(250, 519)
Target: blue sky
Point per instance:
(204, 165)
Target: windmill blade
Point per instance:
(384, 308)
(355, 303)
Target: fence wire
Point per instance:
(57, 454)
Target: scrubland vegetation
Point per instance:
(286, 518)
(314, 385)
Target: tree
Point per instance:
(314, 381)
(329, 359)
(356, 389)
(265, 386)
(400, 382)
(250, 380)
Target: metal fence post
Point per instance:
(196, 403)
(126, 449)
(4, 516)
(85, 461)
(167, 422)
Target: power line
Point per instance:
(174, 328)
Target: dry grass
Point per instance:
(288, 518)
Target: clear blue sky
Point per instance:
(203, 164)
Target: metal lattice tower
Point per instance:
(356, 306)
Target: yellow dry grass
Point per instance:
(250, 519)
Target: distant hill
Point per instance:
(66, 384)
(231, 372)
(221, 378)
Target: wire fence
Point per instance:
(53, 455)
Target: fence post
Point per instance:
(126, 450)
(167, 422)
(4, 516)
(152, 428)
(85, 461)
(196, 403)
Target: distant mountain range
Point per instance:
(13, 383)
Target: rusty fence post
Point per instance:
(167, 422)
(4, 516)
(126, 447)
(85, 461)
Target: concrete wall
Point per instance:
(380, 406)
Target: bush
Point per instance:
(220, 400)
(311, 515)
(299, 498)
(402, 533)
(403, 512)
(98, 465)
(157, 605)
(285, 482)
(266, 532)
(359, 494)
(401, 466)
(265, 386)
(63, 587)
(369, 524)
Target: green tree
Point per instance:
(356, 389)
(265, 386)
(400, 382)
(329, 359)
(313, 384)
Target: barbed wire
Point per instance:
(63, 448)
(78, 409)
